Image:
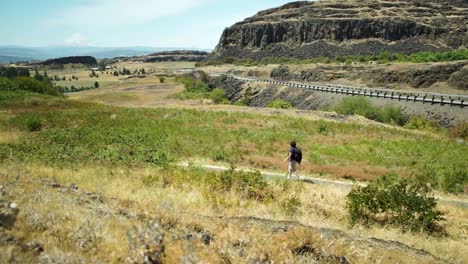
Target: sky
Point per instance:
(123, 23)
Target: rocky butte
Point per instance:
(309, 29)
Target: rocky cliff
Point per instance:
(308, 29)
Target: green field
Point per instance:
(79, 133)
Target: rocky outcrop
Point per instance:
(308, 29)
(86, 60)
(411, 76)
(178, 55)
(8, 211)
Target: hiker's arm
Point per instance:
(288, 158)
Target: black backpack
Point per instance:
(297, 155)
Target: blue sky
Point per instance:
(155, 23)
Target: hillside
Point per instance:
(119, 169)
(164, 56)
(87, 60)
(342, 28)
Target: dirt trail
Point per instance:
(343, 185)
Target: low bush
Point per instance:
(393, 115)
(198, 89)
(357, 106)
(251, 185)
(218, 96)
(455, 180)
(33, 124)
(361, 106)
(459, 131)
(290, 206)
(405, 203)
(279, 104)
(421, 123)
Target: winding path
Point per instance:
(343, 185)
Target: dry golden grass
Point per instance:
(10, 136)
(91, 223)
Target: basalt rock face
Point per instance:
(341, 28)
(179, 55)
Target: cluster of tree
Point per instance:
(73, 89)
(126, 71)
(58, 78)
(12, 78)
(93, 74)
(11, 72)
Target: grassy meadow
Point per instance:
(99, 183)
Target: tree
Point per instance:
(37, 76)
(143, 71)
(102, 65)
(96, 84)
(162, 79)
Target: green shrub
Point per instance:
(218, 96)
(7, 84)
(358, 106)
(361, 106)
(251, 185)
(421, 123)
(219, 155)
(162, 79)
(29, 84)
(290, 206)
(455, 180)
(33, 124)
(244, 101)
(279, 104)
(459, 131)
(393, 115)
(401, 202)
(322, 128)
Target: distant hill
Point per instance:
(8, 59)
(20, 53)
(176, 55)
(87, 60)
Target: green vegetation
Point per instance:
(198, 89)
(79, 133)
(459, 131)
(279, 104)
(417, 122)
(361, 106)
(12, 79)
(33, 124)
(406, 203)
(384, 57)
